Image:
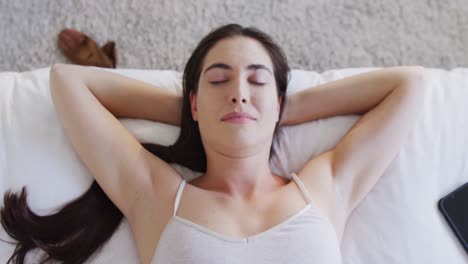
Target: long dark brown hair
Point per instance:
(82, 226)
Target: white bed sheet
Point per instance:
(398, 222)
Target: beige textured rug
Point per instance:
(315, 35)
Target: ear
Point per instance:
(193, 106)
(280, 98)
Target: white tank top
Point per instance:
(306, 237)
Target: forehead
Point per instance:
(238, 52)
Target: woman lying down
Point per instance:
(238, 211)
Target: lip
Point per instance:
(237, 115)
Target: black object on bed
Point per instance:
(454, 207)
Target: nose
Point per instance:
(235, 100)
(239, 93)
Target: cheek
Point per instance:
(207, 104)
(272, 101)
(269, 108)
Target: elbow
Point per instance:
(55, 74)
(414, 72)
(77, 72)
(414, 75)
(58, 69)
(66, 69)
(67, 73)
(56, 66)
(415, 84)
(418, 72)
(63, 75)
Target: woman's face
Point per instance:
(237, 76)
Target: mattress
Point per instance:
(397, 222)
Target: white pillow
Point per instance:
(398, 222)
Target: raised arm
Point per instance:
(130, 98)
(353, 95)
(391, 100)
(87, 102)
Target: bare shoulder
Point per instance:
(317, 175)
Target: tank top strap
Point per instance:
(302, 187)
(179, 194)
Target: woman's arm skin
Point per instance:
(393, 100)
(130, 98)
(124, 169)
(355, 94)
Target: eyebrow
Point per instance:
(227, 67)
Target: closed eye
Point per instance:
(255, 83)
(218, 82)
